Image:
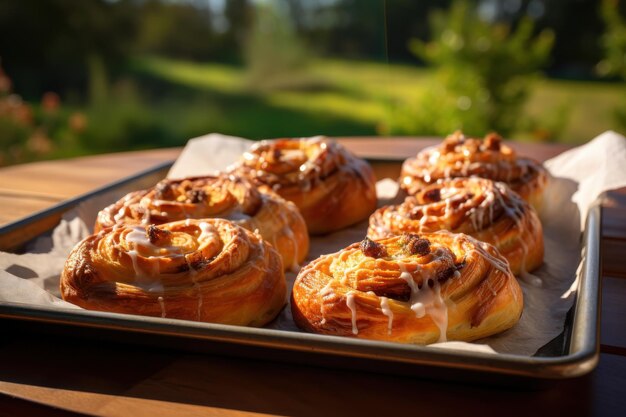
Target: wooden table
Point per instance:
(50, 375)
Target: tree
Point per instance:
(614, 43)
(274, 54)
(484, 72)
(46, 45)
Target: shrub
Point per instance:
(275, 57)
(484, 73)
(26, 129)
(614, 43)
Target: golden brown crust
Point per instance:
(332, 188)
(451, 287)
(458, 156)
(205, 270)
(486, 210)
(219, 196)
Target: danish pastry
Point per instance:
(331, 187)
(205, 270)
(486, 210)
(411, 289)
(220, 196)
(459, 156)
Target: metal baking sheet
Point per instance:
(23, 230)
(573, 353)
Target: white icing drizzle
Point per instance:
(133, 258)
(156, 268)
(327, 289)
(384, 307)
(425, 218)
(351, 305)
(162, 304)
(428, 301)
(146, 217)
(515, 212)
(208, 231)
(137, 237)
(159, 203)
(256, 226)
(500, 264)
(481, 217)
(120, 214)
(341, 258)
(196, 285)
(323, 293)
(286, 230)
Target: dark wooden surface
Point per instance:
(42, 374)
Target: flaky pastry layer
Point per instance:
(217, 196)
(486, 210)
(204, 270)
(332, 188)
(410, 289)
(458, 156)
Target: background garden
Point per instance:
(80, 77)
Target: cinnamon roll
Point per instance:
(205, 270)
(486, 210)
(410, 289)
(331, 187)
(220, 196)
(459, 156)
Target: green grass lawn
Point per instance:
(590, 106)
(338, 97)
(162, 102)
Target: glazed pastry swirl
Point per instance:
(331, 187)
(221, 196)
(204, 270)
(459, 156)
(410, 289)
(486, 210)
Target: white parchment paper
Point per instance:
(579, 175)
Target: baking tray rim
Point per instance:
(583, 339)
(68, 204)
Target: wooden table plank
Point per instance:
(78, 175)
(170, 383)
(18, 206)
(608, 388)
(11, 406)
(614, 257)
(613, 323)
(614, 222)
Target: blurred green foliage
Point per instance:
(203, 97)
(614, 43)
(484, 74)
(274, 55)
(134, 74)
(46, 45)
